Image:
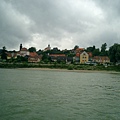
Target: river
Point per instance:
(58, 95)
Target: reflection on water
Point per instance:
(50, 95)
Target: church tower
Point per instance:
(20, 47)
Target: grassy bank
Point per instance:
(60, 66)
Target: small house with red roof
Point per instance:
(34, 57)
(101, 59)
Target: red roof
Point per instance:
(80, 49)
(33, 54)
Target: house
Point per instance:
(11, 55)
(58, 57)
(23, 52)
(84, 57)
(101, 59)
(77, 52)
(34, 57)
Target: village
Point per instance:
(48, 55)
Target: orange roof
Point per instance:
(32, 54)
(79, 49)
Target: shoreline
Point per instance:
(65, 70)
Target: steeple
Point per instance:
(20, 47)
(49, 46)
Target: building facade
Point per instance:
(84, 57)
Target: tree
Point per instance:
(32, 49)
(76, 46)
(114, 53)
(96, 52)
(103, 50)
(90, 49)
(103, 47)
(4, 55)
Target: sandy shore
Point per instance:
(65, 70)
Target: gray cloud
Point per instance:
(61, 23)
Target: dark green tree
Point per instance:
(32, 49)
(76, 46)
(104, 52)
(90, 49)
(114, 53)
(96, 52)
(103, 47)
(4, 55)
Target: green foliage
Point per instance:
(21, 59)
(32, 49)
(103, 47)
(114, 53)
(76, 46)
(70, 67)
(103, 50)
(90, 49)
(4, 55)
(96, 52)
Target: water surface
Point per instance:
(53, 95)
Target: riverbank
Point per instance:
(65, 70)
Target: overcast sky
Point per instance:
(60, 23)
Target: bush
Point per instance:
(70, 67)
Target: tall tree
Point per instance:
(4, 55)
(114, 53)
(103, 49)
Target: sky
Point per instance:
(60, 23)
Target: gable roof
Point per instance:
(33, 54)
